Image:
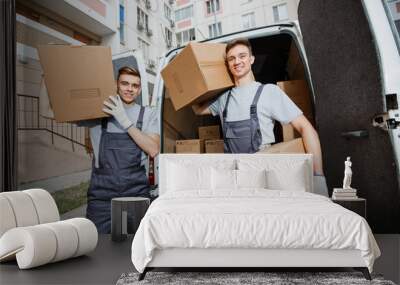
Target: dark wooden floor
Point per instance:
(110, 259)
(102, 266)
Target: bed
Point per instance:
(247, 210)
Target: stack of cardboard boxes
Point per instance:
(209, 142)
(212, 137)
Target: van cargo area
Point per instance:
(277, 61)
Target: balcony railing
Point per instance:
(29, 118)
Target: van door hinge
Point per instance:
(392, 124)
(383, 121)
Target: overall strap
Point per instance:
(104, 122)
(253, 107)
(225, 112)
(139, 122)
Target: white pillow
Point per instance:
(281, 173)
(223, 179)
(187, 177)
(251, 178)
(292, 179)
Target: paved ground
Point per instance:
(75, 213)
(39, 159)
(57, 183)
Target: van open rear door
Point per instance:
(351, 78)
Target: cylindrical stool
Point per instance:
(126, 214)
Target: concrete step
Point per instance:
(75, 213)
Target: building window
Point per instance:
(185, 36)
(212, 6)
(168, 37)
(249, 20)
(215, 30)
(392, 12)
(142, 20)
(121, 24)
(145, 47)
(184, 13)
(280, 12)
(167, 12)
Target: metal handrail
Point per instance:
(29, 118)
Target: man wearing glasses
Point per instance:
(121, 145)
(249, 109)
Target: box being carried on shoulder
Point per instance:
(196, 74)
(189, 146)
(78, 80)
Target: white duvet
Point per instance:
(252, 218)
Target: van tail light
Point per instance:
(151, 170)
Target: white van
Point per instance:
(348, 53)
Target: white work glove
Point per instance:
(320, 186)
(117, 110)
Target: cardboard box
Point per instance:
(295, 67)
(189, 146)
(78, 80)
(196, 74)
(169, 139)
(298, 91)
(209, 132)
(289, 133)
(214, 146)
(293, 146)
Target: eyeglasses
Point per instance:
(241, 56)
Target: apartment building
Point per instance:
(394, 13)
(48, 149)
(203, 19)
(147, 26)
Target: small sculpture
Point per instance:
(347, 174)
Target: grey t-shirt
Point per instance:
(273, 105)
(150, 126)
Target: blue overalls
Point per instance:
(242, 136)
(120, 174)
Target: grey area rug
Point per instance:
(269, 278)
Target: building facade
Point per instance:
(394, 13)
(203, 19)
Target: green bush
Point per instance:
(71, 198)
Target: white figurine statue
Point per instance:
(347, 174)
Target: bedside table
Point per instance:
(126, 214)
(358, 205)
